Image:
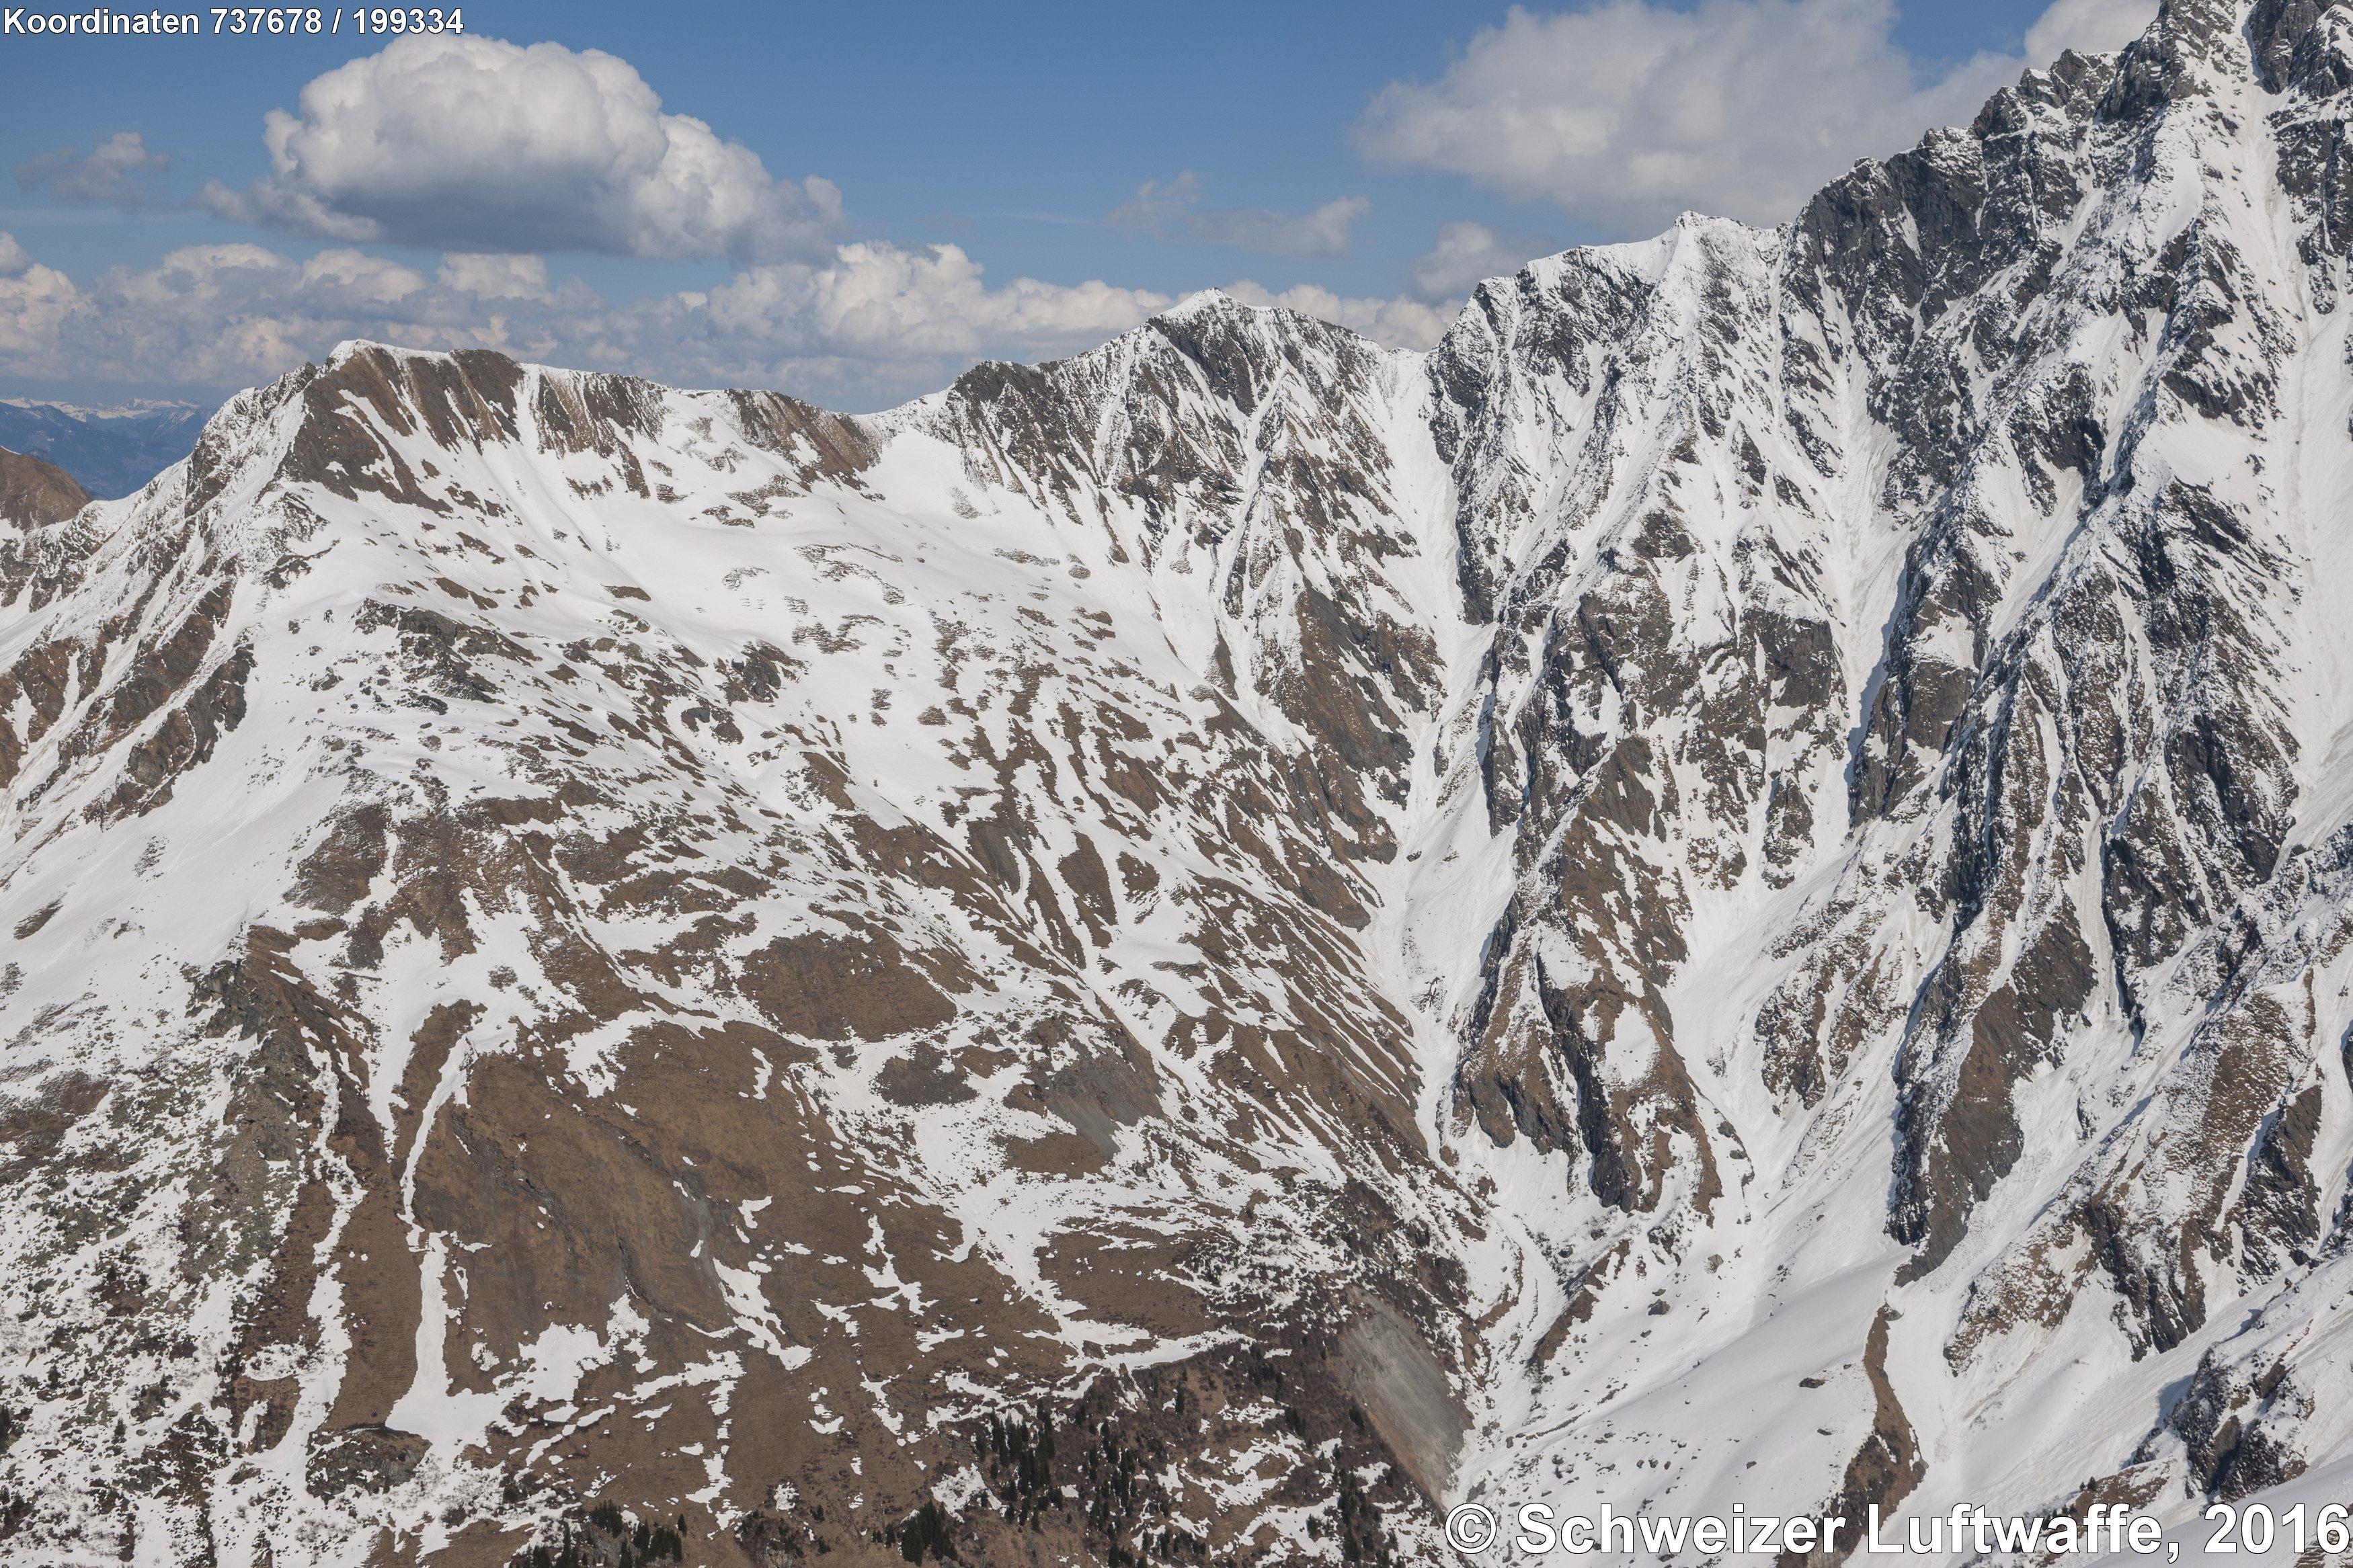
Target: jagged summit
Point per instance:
(1729, 888)
(1206, 302)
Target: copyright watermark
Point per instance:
(1469, 1528)
(1538, 1530)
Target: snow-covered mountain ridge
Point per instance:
(1731, 888)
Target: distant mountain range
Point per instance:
(110, 452)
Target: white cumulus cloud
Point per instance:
(1467, 254)
(496, 277)
(874, 325)
(1170, 210)
(2088, 27)
(119, 170)
(230, 315)
(1393, 323)
(36, 301)
(469, 143)
(1627, 111)
(882, 303)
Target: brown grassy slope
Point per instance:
(33, 492)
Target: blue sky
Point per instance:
(1310, 150)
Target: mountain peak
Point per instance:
(1204, 301)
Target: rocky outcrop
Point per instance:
(1733, 887)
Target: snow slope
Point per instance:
(1732, 889)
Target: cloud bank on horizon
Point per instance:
(498, 156)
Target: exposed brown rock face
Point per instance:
(619, 1100)
(1735, 888)
(1884, 1470)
